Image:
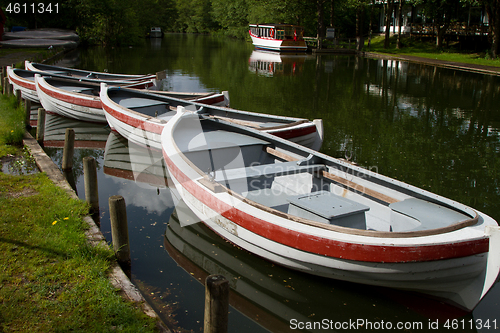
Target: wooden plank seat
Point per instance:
(77, 89)
(266, 171)
(137, 102)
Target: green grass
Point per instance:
(419, 48)
(51, 280)
(12, 125)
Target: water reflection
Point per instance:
(267, 63)
(126, 160)
(87, 135)
(280, 299)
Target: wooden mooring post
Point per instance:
(119, 229)
(27, 110)
(7, 88)
(90, 181)
(4, 72)
(19, 97)
(40, 127)
(69, 149)
(216, 304)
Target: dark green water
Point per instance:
(434, 128)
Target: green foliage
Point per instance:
(230, 14)
(194, 16)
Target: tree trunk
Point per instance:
(400, 22)
(320, 27)
(371, 24)
(360, 14)
(388, 16)
(493, 11)
(332, 13)
(441, 30)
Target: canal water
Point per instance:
(434, 128)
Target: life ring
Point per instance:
(272, 33)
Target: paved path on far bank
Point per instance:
(492, 70)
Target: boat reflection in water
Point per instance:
(125, 159)
(87, 135)
(268, 63)
(282, 300)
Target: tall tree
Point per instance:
(388, 18)
(320, 28)
(493, 11)
(400, 23)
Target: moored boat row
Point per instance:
(253, 180)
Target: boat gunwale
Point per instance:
(20, 80)
(217, 187)
(154, 124)
(44, 86)
(32, 66)
(287, 121)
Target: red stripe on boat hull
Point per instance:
(96, 104)
(328, 247)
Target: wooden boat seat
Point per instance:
(77, 89)
(137, 102)
(326, 207)
(430, 215)
(265, 171)
(214, 140)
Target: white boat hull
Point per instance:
(69, 104)
(276, 45)
(26, 86)
(146, 130)
(459, 266)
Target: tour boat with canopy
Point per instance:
(278, 37)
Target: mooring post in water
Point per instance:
(69, 149)
(6, 86)
(216, 304)
(119, 229)
(90, 180)
(40, 127)
(19, 97)
(27, 110)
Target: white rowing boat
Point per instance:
(85, 74)
(311, 212)
(80, 99)
(140, 117)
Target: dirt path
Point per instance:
(15, 57)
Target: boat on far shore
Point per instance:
(278, 37)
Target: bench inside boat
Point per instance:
(146, 106)
(242, 164)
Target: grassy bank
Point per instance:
(427, 49)
(11, 125)
(51, 280)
